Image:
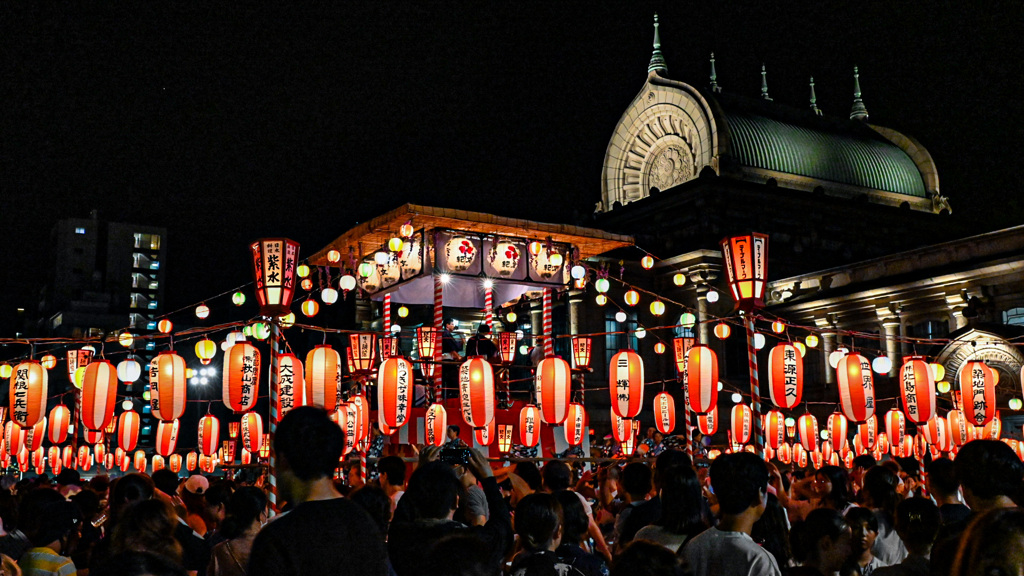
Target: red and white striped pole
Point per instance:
(439, 326)
(387, 315)
(549, 343)
(275, 415)
(489, 304)
(755, 387)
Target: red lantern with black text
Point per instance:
(838, 427)
(664, 412)
(553, 384)
(994, 429)
(139, 460)
(775, 429)
(28, 393)
(807, 426)
(581, 352)
(575, 424)
(917, 386)
(252, 431)
(626, 383)
(34, 436)
(476, 391)
(363, 347)
(622, 428)
(291, 383)
(936, 432)
(166, 437)
(507, 346)
(708, 423)
(241, 376)
(174, 463)
(978, 391)
(167, 386)
(681, 347)
(869, 432)
(895, 427)
(856, 387)
(274, 262)
(529, 426)
(191, 460)
(394, 391)
(427, 341)
(323, 377)
(742, 423)
(746, 265)
(99, 394)
(701, 380)
(209, 435)
(785, 376)
(436, 424)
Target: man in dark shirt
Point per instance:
(945, 489)
(324, 533)
(423, 516)
(480, 344)
(451, 350)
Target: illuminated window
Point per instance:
(79, 230)
(1014, 316)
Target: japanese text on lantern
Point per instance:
(19, 410)
(978, 389)
(666, 416)
(789, 370)
(250, 366)
(910, 390)
(154, 387)
(622, 382)
(402, 375)
(286, 378)
(865, 378)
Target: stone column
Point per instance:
(828, 346)
(956, 304)
(364, 313)
(891, 326)
(575, 299)
(536, 320)
(702, 312)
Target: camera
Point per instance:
(454, 456)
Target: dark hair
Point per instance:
(575, 521)
(530, 474)
(376, 502)
(88, 502)
(987, 541)
(865, 461)
(820, 523)
(309, 443)
(738, 479)
(99, 483)
(644, 558)
(483, 328)
(910, 465)
(668, 461)
(557, 475)
(771, 531)
(942, 477)
(141, 564)
(840, 480)
(243, 508)
(682, 500)
(538, 517)
(39, 521)
(147, 526)
(127, 490)
(166, 481)
(880, 485)
(394, 467)
(918, 521)
(461, 553)
(988, 468)
(433, 491)
(636, 479)
(454, 428)
(219, 493)
(856, 516)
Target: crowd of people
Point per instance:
(451, 512)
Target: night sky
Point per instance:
(225, 124)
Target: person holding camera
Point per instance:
(424, 515)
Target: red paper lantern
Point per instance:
(622, 428)
(191, 460)
(209, 435)
(742, 423)
(507, 346)
(166, 437)
(708, 423)
(485, 435)
(856, 387)
(746, 266)
(882, 444)
(664, 412)
(34, 436)
(476, 391)
(140, 460)
(553, 385)
(575, 424)
(67, 455)
(84, 458)
(807, 425)
(722, 330)
(28, 390)
(504, 438)
(917, 386)
(785, 376)
(388, 348)
(158, 462)
(394, 391)
(167, 386)
(323, 377)
(60, 419)
(128, 430)
(78, 359)
(775, 429)
(869, 432)
(936, 432)
(274, 262)
(826, 451)
(174, 463)
(784, 453)
(291, 383)
(978, 390)
(838, 427)
(701, 380)
(529, 426)
(895, 427)
(95, 436)
(252, 432)
(581, 346)
(994, 429)
(626, 383)
(360, 408)
(363, 347)
(427, 341)
(241, 376)
(681, 347)
(959, 430)
(436, 425)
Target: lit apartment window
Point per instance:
(79, 230)
(147, 241)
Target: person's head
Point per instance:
(165, 481)
(147, 526)
(88, 503)
(127, 490)
(483, 329)
(433, 491)
(246, 509)
(556, 475)
(771, 531)
(193, 493)
(450, 324)
(538, 522)
(740, 482)
(217, 498)
(644, 558)
(461, 553)
(861, 464)
(392, 471)
(879, 490)
(530, 474)
(681, 495)
(100, 484)
(833, 483)
(141, 564)
(992, 544)
(376, 502)
(864, 525)
(988, 471)
(822, 540)
(308, 446)
(917, 523)
(575, 521)
(667, 462)
(453, 432)
(941, 479)
(48, 520)
(636, 480)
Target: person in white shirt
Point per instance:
(740, 484)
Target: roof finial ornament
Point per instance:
(814, 99)
(657, 59)
(859, 111)
(764, 84)
(714, 76)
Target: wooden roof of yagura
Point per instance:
(367, 237)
